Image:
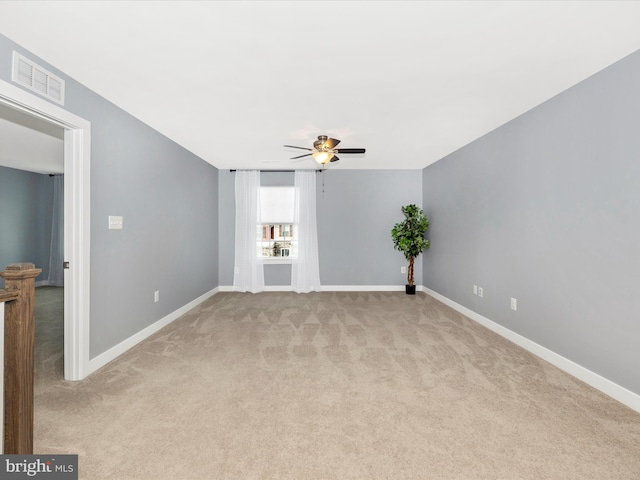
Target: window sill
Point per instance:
(276, 260)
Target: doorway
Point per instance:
(31, 224)
(77, 148)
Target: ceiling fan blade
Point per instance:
(300, 156)
(331, 143)
(301, 148)
(349, 150)
(334, 159)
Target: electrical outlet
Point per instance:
(156, 296)
(480, 292)
(403, 269)
(514, 304)
(475, 289)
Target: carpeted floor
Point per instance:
(330, 386)
(49, 336)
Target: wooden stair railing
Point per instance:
(19, 330)
(4, 297)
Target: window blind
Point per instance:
(276, 205)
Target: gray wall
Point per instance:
(25, 219)
(544, 209)
(169, 200)
(356, 213)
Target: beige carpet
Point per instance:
(332, 386)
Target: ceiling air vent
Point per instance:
(37, 79)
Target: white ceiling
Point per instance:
(29, 143)
(409, 81)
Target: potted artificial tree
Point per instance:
(408, 238)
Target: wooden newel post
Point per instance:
(18, 358)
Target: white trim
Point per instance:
(77, 225)
(333, 288)
(278, 288)
(276, 260)
(268, 288)
(77, 183)
(114, 352)
(364, 288)
(619, 393)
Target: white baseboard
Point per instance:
(619, 393)
(333, 288)
(114, 352)
(270, 288)
(45, 283)
(363, 288)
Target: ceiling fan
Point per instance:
(324, 150)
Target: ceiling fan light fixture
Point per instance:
(322, 157)
(324, 150)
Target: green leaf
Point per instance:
(408, 235)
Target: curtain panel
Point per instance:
(248, 274)
(305, 270)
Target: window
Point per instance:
(276, 231)
(275, 239)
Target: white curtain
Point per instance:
(305, 271)
(56, 251)
(248, 275)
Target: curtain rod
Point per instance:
(277, 171)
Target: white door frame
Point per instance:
(77, 221)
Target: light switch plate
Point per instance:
(115, 223)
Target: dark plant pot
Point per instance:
(410, 289)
